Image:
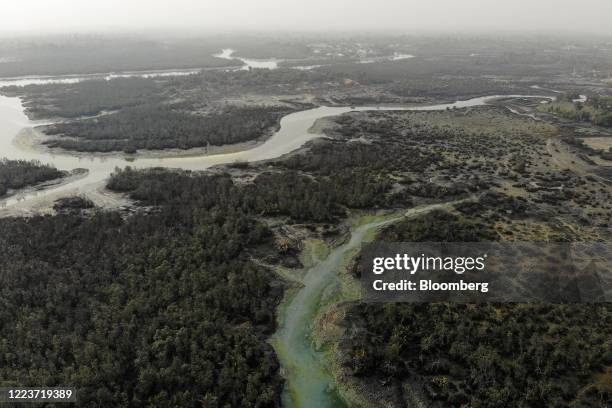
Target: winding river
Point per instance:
(309, 383)
(293, 133)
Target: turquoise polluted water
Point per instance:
(309, 383)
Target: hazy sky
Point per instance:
(316, 15)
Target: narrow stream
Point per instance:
(309, 382)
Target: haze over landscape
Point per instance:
(29, 16)
(196, 198)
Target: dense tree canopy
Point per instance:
(273, 193)
(165, 309)
(16, 174)
(154, 126)
(158, 309)
(596, 109)
(480, 355)
(487, 355)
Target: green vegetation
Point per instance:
(140, 304)
(15, 174)
(597, 109)
(486, 355)
(479, 355)
(470, 355)
(169, 304)
(157, 310)
(438, 226)
(164, 309)
(288, 193)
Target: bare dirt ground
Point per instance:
(603, 143)
(563, 158)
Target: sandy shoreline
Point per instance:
(38, 202)
(33, 138)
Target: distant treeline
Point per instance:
(280, 81)
(597, 109)
(450, 65)
(85, 98)
(190, 93)
(61, 55)
(16, 174)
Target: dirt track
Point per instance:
(563, 158)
